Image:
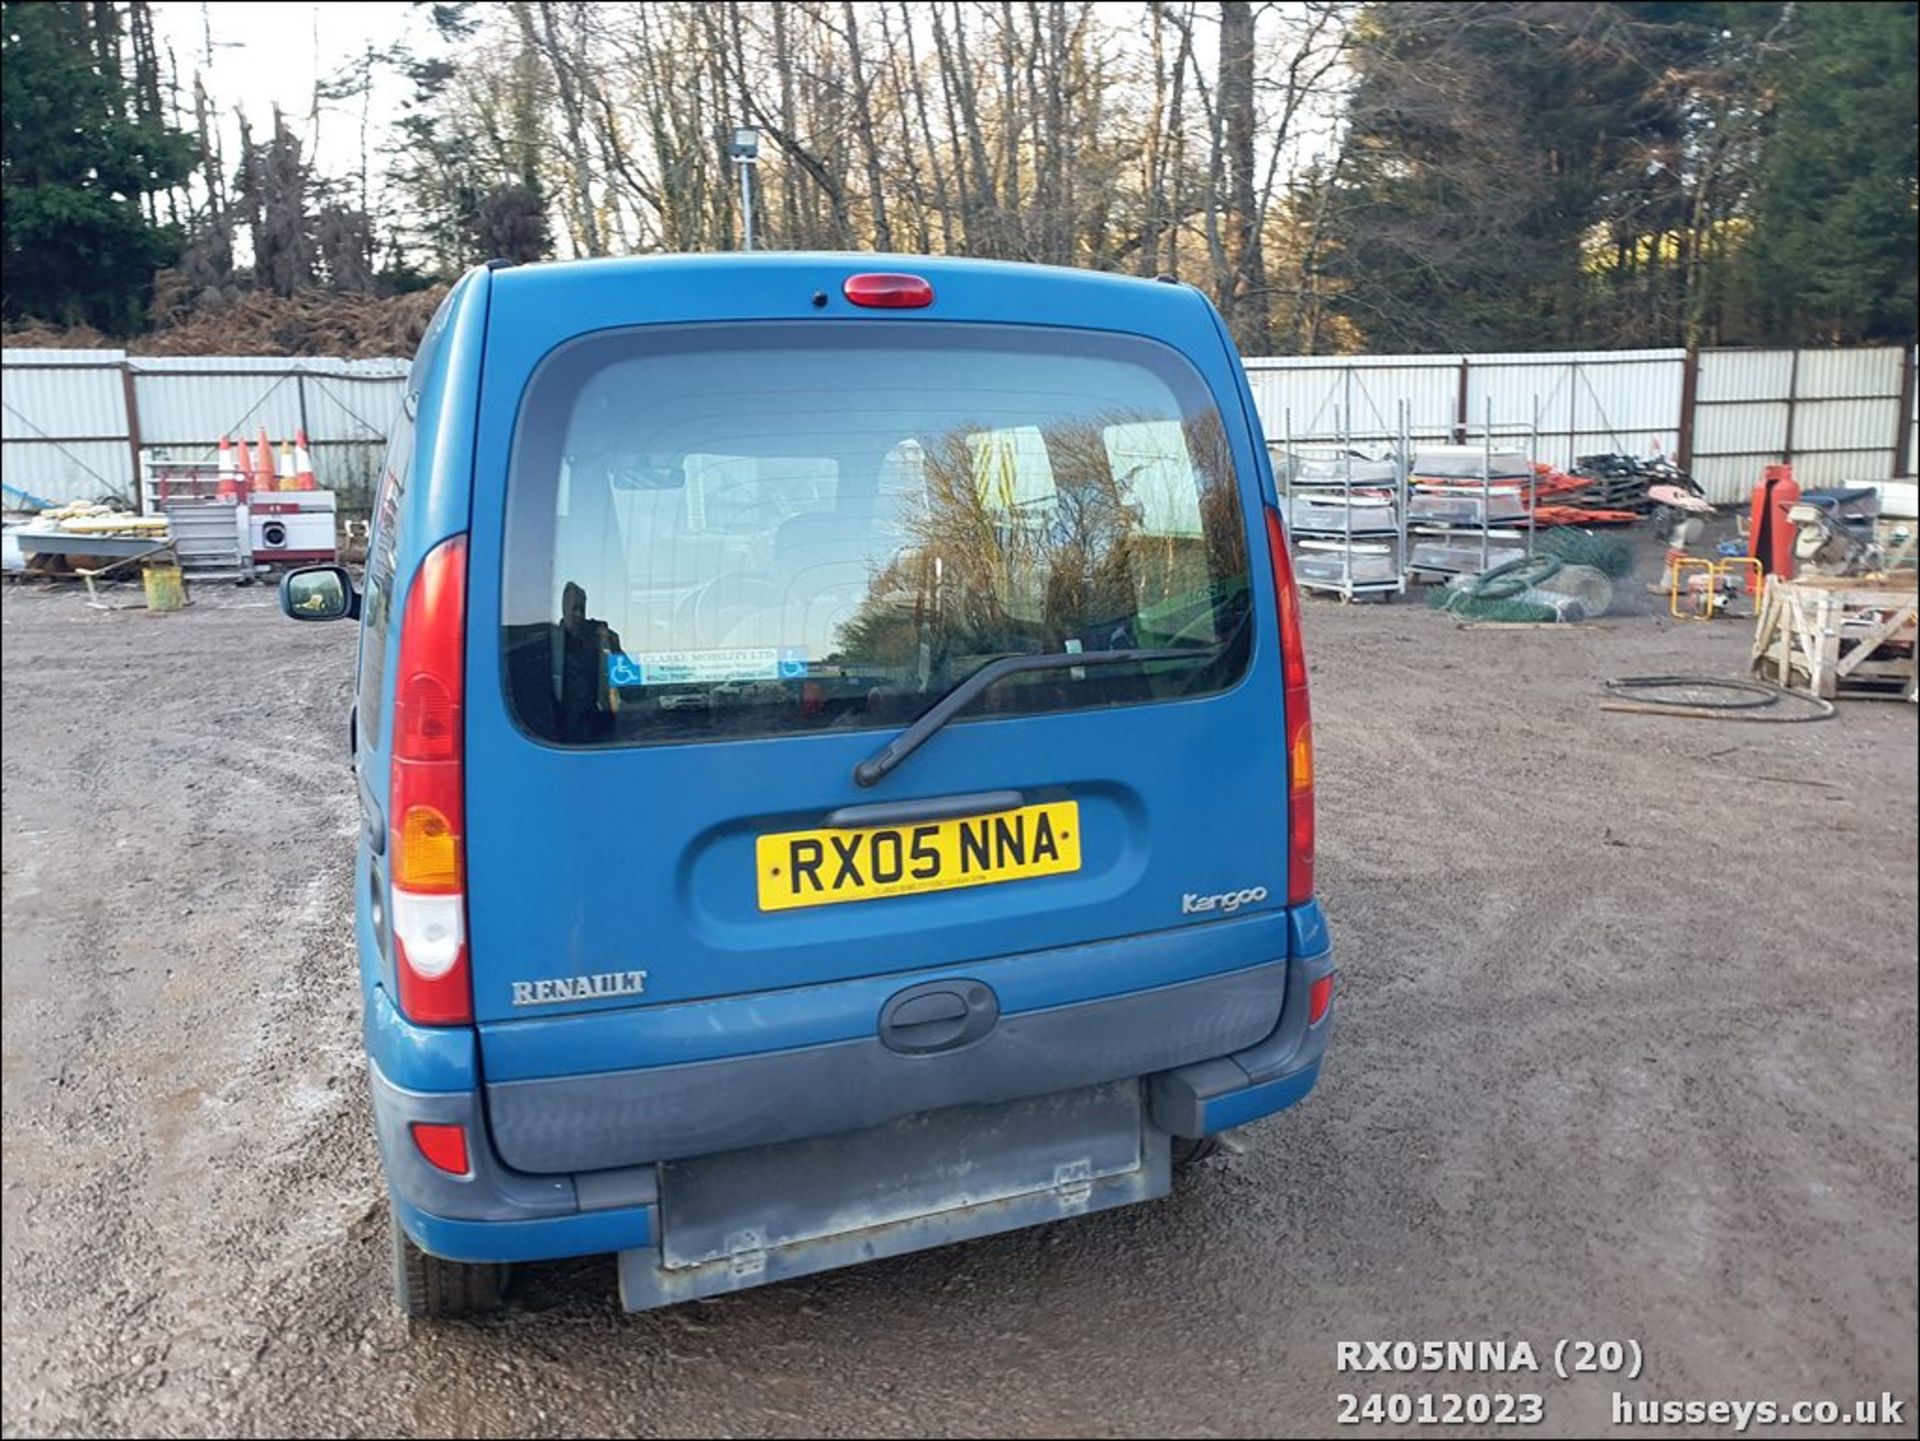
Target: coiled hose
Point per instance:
(1750, 701)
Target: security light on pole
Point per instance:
(745, 150)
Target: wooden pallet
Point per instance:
(1838, 636)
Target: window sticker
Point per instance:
(692, 667)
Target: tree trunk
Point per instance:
(863, 122)
(1153, 155)
(586, 225)
(941, 200)
(1244, 294)
(789, 186)
(1011, 124)
(963, 117)
(1174, 202)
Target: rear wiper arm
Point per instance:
(878, 765)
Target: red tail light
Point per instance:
(426, 798)
(1319, 998)
(888, 292)
(444, 1146)
(1299, 720)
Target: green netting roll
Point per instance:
(1612, 556)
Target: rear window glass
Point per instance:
(752, 530)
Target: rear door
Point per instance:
(718, 565)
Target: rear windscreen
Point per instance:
(749, 530)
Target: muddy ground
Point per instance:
(1626, 1050)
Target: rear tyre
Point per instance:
(431, 1289)
(1192, 1150)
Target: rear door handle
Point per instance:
(938, 1016)
(928, 1019)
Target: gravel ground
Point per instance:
(1627, 1049)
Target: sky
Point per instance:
(271, 52)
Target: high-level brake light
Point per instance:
(884, 291)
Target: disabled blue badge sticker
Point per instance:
(623, 670)
(693, 667)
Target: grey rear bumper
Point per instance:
(928, 1173)
(665, 1113)
(1226, 1091)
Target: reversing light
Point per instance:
(444, 1146)
(883, 291)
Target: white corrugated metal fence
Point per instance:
(72, 421)
(1838, 415)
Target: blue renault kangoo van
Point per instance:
(831, 740)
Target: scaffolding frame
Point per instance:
(1515, 534)
(1310, 543)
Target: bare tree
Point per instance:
(274, 183)
(1070, 131)
(583, 217)
(864, 124)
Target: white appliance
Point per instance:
(292, 527)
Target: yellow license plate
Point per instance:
(825, 868)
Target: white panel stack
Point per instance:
(1469, 508)
(1346, 519)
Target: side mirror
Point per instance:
(319, 592)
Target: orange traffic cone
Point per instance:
(263, 465)
(286, 467)
(258, 471)
(302, 463)
(229, 488)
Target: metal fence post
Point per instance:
(1573, 411)
(1793, 401)
(1903, 457)
(1689, 397)
(130, 392)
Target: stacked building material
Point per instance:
(1563, 499)
(1619, 482)
(1451, 464)
(1344, 518)
(1467, 508)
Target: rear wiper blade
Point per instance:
(877, 766)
